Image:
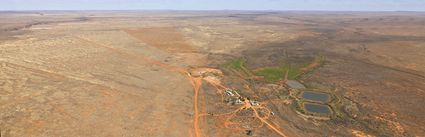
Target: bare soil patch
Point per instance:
(165, 38)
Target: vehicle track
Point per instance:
(196, 82)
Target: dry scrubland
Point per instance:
(135, 73)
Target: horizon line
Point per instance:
(1, 10)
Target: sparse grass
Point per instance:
(284, 93)
(238, 65)
(273, 74)
(235, 64)
(297, 106)
(318, 60)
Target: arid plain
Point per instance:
(212, 73)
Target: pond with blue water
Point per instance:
(316, 96)
(317, 108)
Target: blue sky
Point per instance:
(331, 5)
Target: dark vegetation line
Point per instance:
(394, 69)
(79, 19)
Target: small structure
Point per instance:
(254, 103)
(239, 102)
(248, 132)
(229, 92)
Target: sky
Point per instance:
(326, 5)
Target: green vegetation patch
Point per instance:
(238, 65)
(272, 74)
(275, 73)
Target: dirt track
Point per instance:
(79, 85)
